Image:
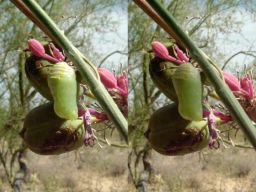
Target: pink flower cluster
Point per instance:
(243, 86)
(162, 52)
(117, 87)
(119, 83)
(38, 50)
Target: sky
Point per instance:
(243, 41)
(115, 41)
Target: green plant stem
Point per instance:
(83, 65)
(221, 88)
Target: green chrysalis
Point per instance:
(63, 86)
(56, 82)
(47, 134)
(188, 87)
(170, 134)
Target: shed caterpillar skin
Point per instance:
(37, 71)
(161, 74)
(57, 83)
(170, 134)
(46, 133)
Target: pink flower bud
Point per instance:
(247, 85)
(122, 84)
(231, 81)
(181, 55)
(36, 48)
(56, 53)
(162, 52)
(107, 78)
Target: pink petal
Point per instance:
(36, 48)
(107, 78)
(206, 113)
(56, 53)
(50, 58)
(99, 115)
(247, 85)
(181, 55)
(224, 117)
(160, 50)
(231, 81)
(122, 84)
(173, 59)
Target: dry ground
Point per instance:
(223, 170)
(105, 170)
(89, 169)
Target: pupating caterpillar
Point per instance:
(182, 84)
(63, 86)
(188, 87)
(178, 128)
(57, 83)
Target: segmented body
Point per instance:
(46, 133)
(63, 86)
(188, 87)
(170, 134)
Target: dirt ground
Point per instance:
(105, 170)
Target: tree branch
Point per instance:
(249, 53)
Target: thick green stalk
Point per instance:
(221, 88)
(84, 67)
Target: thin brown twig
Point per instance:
(151, 12)
(23, 8)
(249, 53)
(238, 145)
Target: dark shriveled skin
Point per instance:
(170, 134)
(47, 134)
